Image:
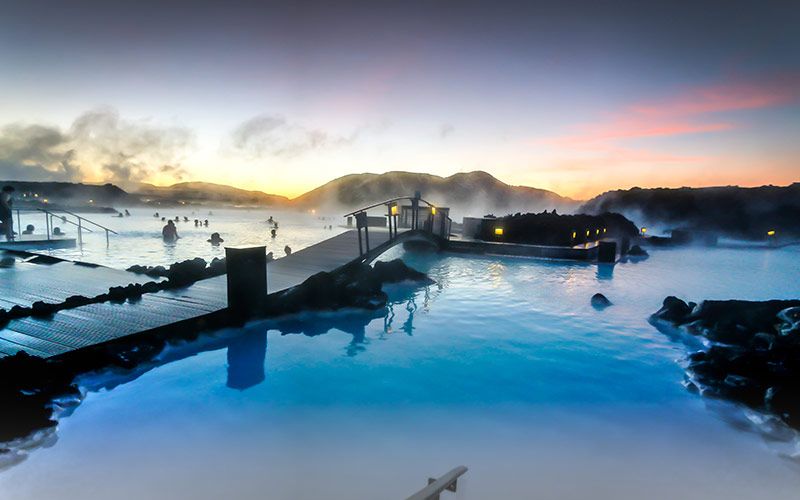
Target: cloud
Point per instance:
(274, 135)
(36, 152)
(98, 146)
(605, 144)
(690, 112)
(446, 130)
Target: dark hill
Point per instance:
(731, 211)
(470, 193)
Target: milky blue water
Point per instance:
(139, 236)
(502, 366)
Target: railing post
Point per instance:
(246, 280)
(80, 235)
(47, 225)
(389, 218)
(361, 221)
(19, 224)
(107, 243)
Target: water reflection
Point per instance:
(246, 358)
(605, 271)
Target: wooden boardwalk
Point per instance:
(95, 324)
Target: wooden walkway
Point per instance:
(95, 324)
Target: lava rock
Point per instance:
(637, 251)
(186, 272)
(217, 267)
(599, 301)
(673, 310)
(395, 271)
(357, 285)
(42, 309)
(754, 353)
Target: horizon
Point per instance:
(292, 198)
(576, 99)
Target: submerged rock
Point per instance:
(599, 301)
(637, 251)
(754, 350)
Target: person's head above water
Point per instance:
(215, 238)
(170, 223)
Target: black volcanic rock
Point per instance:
(395, 271)
(730, 211)
(674, 310)
(754, 353)
(600, 301)
(637, 251)
(356, 285)
(553, 229)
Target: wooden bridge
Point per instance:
(92, 325)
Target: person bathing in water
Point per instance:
(6, 212)
(170, 232)
(215, 239)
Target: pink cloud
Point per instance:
(686, 113)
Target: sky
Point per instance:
(578, 97)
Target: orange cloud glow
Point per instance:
(598, 155)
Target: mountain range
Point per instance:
(733, 211)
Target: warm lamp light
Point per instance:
(433, 210)
(394, 209)
(587, 233)
(771, 232)
(598, 231)
(574, 234)
(644, 230)
(498, 231)
(604, 230)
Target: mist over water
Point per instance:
(502, 366)
(139, 240)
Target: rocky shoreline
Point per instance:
(751, 351)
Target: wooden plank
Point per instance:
(99, 323)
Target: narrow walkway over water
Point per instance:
(94, 324)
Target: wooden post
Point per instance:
(607, 251)
(361, 222)
(389, 218)
(247, 279)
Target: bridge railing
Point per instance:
(439, 226)
(80, 222)
(447, 482)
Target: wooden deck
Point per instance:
(95, 324)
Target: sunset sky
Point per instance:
(576, 97)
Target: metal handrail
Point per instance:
(87, 220)
(364, 209)
(49, 214)
(444, 229)
(447, 482)
(18, 210)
